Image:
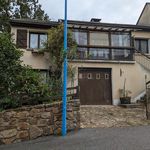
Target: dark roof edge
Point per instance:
(35, 23)
(142, 12)
(15, 22)
(108, 24)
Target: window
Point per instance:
(82, 53)
(80, 37)
(99, 53)
(121, 54)
(80, 76)
(44, 75)
(98, 76)
(37, 40)
(120, 39)
(89, 76)
(106, 76)
(141, 45)
(99, 38)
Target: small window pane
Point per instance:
(98, 76)
(144, 45)
(89, 75)
(33, 40)
(120, 39)
(121, 54)
(99, 38)
(44, 75)
(80, 76)
(137, 44)
(99, 53)
(106, 76)
(82, 53)
(141, 45)
(43, 39)
(80, 37)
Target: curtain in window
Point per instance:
(141, 45)
(37, 40)
(99, 38)
(80, 37)
(121, 54)
(33, 41)
(99, 53)
(43, 39)
(118, 39)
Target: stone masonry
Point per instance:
(28, 123)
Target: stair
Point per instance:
(134, 105)
(142, 59)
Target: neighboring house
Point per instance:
(108, 54)
(144, 18)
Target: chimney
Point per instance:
(96, 20)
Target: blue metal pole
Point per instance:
(64, 122)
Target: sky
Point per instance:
(110, 11)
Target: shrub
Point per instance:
(19, 85)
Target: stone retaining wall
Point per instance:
(28, 123)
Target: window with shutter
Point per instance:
(22, 38)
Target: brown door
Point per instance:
(95, 86)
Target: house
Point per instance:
(110, 55)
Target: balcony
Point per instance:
(114, 54)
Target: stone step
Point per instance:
(134, 105)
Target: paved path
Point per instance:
(129, 138)
(112, 116)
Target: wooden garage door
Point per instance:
(95, 86)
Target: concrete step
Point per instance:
(133, 105)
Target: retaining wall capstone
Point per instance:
(27, 123)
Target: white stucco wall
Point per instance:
(134, 74)
(35, 60)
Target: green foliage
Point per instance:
(55, 86)
(19, 85)
(55, 47)
(8, 102)
(29, 9)
(9, 63)
(29, 87)
(20, 9)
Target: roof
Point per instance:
(32, 23)
(79, 25)
(106, 26)
(143, 11)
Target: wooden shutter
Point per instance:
(22, 38)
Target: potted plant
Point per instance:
(124, 95)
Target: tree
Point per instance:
(20, 9)
(5, 14)
(19, 85)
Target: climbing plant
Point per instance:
(55, 48)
